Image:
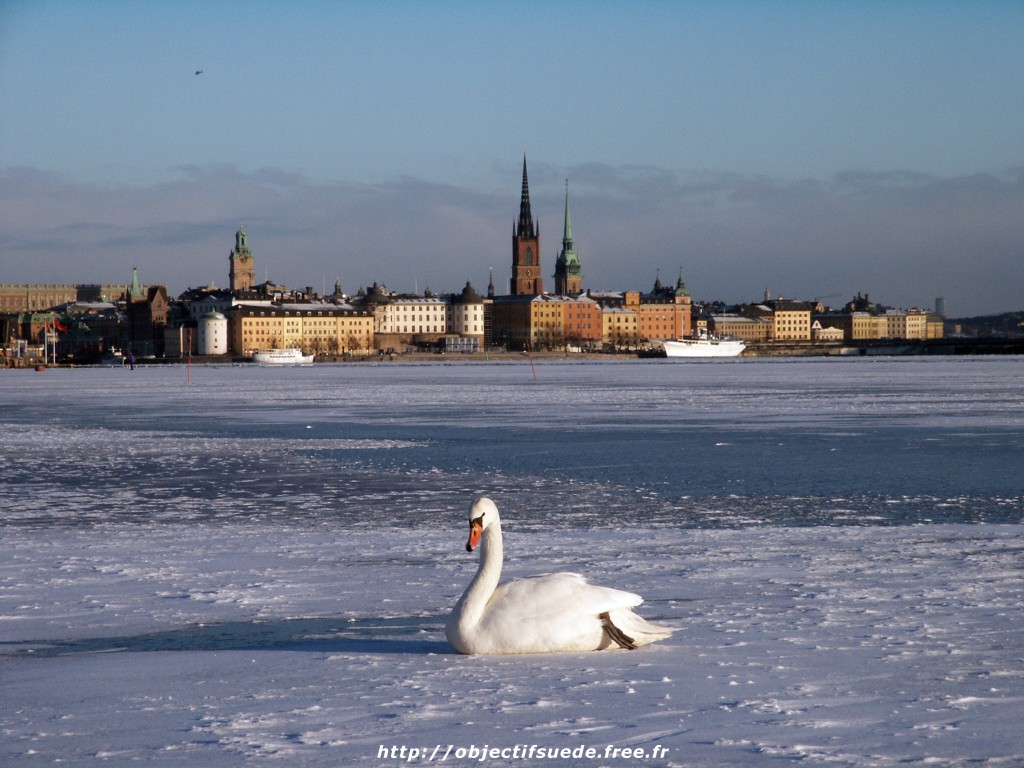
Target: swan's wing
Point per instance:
(554, 612)
(557, 596)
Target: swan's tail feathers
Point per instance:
(630, 630)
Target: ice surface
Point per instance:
(256, 569)
(210, 647)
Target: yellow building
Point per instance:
(324, 329)
(893, 324)
(547, 321)
(523, 322)
(752, 329)
(621, 328)
(791, 320)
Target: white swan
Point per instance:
(542, 614)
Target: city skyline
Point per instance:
(814, 150)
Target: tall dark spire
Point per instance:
(527, 227)
(526, 279)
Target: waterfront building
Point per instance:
(256, 327)
(528, 322)
(865, 326)
(146, 310)
(911, 324)
(465, 315)
(821, 333)
(750, 329)
(403, 320)
(568, 271)
(526, 270)
(213, 334)
(316, 328)
(664, 313)
(583, 323)
(791, 320)
(545, 321)
(509, 322)
(621, 328)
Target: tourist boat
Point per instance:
(292, 356)
(706, 346)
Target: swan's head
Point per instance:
(482, 513)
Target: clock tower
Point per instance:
(242, 274)
(526, 279)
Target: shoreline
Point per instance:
(872, 348)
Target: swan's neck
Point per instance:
(471, 606)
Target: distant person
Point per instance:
(131, 361)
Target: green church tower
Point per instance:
(568, 272)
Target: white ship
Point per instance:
(706, 346)
(291, 356)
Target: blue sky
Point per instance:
(811, 148)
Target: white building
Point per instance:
(466, 314)
(213, 334)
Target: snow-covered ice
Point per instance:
(191, 620)
(204, 647)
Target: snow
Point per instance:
(262, 645)
(256, 569)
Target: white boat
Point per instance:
(707, 346)
(292, 356)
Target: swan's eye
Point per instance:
(479, 521)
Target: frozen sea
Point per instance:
(240, 566)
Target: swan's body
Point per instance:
(542, 614)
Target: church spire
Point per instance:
(567, 235)
(568, 272)
(135, 292)
(527, 227)
(526, 279)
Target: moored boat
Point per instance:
(291, 356)
(708, 346)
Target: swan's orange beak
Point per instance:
(476, 528)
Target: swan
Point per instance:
(542, 614)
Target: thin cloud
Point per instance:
(904, 238)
